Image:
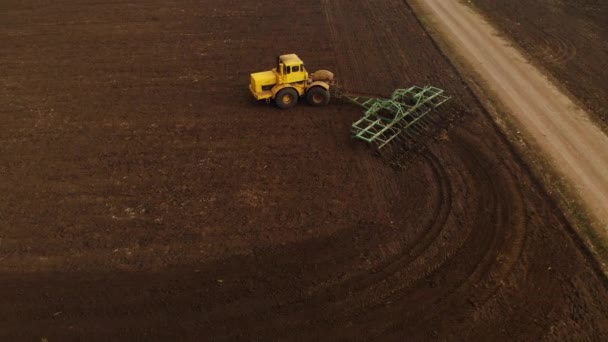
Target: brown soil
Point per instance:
(147, 196)
(567, 38)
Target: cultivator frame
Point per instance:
(402, 116)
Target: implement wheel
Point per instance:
(286, 98)
(317, 96)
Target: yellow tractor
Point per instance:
(289, 81)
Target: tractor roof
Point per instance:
(291, 58)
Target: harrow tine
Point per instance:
(422, 123)
(399, 124)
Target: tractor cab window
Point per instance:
(295, 68)
(288, 70)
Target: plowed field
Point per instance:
(568, 38)
(147, 196)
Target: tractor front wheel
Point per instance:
(317, 96)
(286, 98)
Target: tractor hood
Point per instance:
(263, 78)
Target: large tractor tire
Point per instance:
(317, 96)
(286, 98)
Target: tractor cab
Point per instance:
(290, 69)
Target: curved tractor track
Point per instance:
(161, 202)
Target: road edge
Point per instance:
(537, 63)
(585, 229)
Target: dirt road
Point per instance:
(562, 130)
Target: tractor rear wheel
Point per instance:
(286, 98)
(317, 96)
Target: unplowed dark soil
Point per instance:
(567, 38)
(146, 196)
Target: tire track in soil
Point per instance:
(503, 243)
(478, 272)
(420, 245)
(556, 50)
(351, 58)
(483, 262)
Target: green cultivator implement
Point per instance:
(396, 122)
